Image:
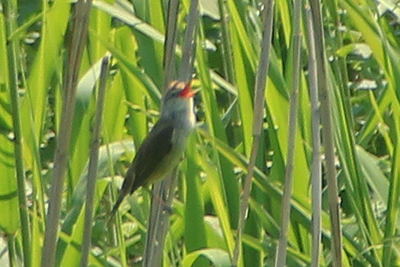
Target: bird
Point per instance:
(162, 149)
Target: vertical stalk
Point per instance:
(316, 164)
(63, 140)
(281, 252)
(170, 42)
(186, 67)
(259, 101)
(10, 14)
(93, 163)
(152, 254)
(158, 223)
(327, 134)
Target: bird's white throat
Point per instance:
(181, 112)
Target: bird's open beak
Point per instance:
(187, 92)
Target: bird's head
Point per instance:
(178, 99)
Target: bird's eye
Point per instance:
(171, 94)
(174, 93)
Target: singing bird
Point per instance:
(162, 149)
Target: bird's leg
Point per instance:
(157, 198)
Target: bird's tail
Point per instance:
(128, 186)
(116, 206)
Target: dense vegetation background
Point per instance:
(362, 48)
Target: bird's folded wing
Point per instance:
(156, 146)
